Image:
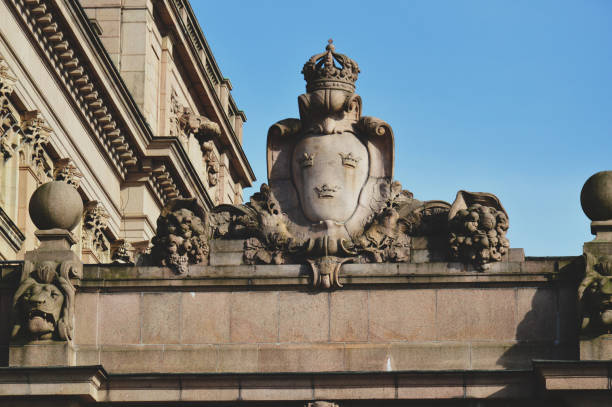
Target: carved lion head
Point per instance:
(43, 303)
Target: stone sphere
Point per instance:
(56, 204)
(596, 196)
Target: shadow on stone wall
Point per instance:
(549, 328)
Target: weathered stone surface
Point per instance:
(254, 317)
(43, 353)
(402, 315)
(205, 317)
(349, 311)
(294, 358)
(303, 317)
(120, 318)
(476, 314)
(159, 321)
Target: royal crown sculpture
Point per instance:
(331, 198)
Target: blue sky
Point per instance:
(509, 97)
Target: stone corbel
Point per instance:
(202, 127)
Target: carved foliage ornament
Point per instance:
(43, 305)
(65, 170)
(478, 225)
(182, 236)
(95, 221)
(25, 133)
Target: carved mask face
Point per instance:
(42, 306)
(329, 172)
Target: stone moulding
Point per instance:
(545, 382)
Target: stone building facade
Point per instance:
(124, 98)
(331, 287)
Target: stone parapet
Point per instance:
(388, 317)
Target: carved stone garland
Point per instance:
(181, 237)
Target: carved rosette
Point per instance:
(95, 221)
(478, 225)
(43, 305)
(182, 235)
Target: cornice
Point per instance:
(47, 26)
(120, 131)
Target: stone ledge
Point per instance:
(315, 357)
(530, 271)
(93, 384)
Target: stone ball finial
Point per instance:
(56, 204)
(596, 196)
